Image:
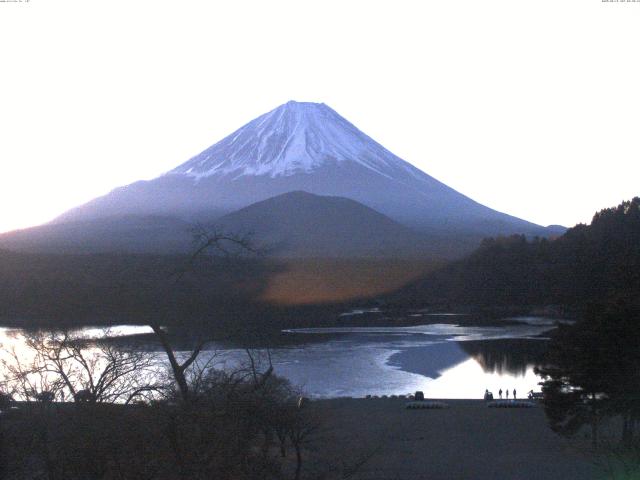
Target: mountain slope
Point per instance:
(306, 225)
(309, 147)
(131, 234)
(294, 138)
(294, 224)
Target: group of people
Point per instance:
(489, 395)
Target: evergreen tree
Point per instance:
(592, 370)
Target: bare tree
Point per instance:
(178, 369)
(302, 427)
(25, 378)
(71, 365)
(65, 366)
(259, 376)
(209, 244)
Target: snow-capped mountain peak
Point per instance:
(296, 137)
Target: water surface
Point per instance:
(443, 360)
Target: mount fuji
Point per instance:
(297, 147)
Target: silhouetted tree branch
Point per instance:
(209, 243)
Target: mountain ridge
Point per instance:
(301, 224)
(309, 147)
(293, 224)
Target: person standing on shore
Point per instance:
(514, 393)
(506, 393)
(500, 393)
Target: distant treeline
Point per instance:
(595, 262)
(227, 296)
(120, 288)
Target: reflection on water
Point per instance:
(428, 360)
(443, 360)
(508, 356)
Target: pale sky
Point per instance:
(529, 107)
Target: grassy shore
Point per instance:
(466, 441)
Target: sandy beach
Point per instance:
(466, 441)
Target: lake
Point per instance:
(444, 360)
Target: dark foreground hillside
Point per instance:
(342, 438)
